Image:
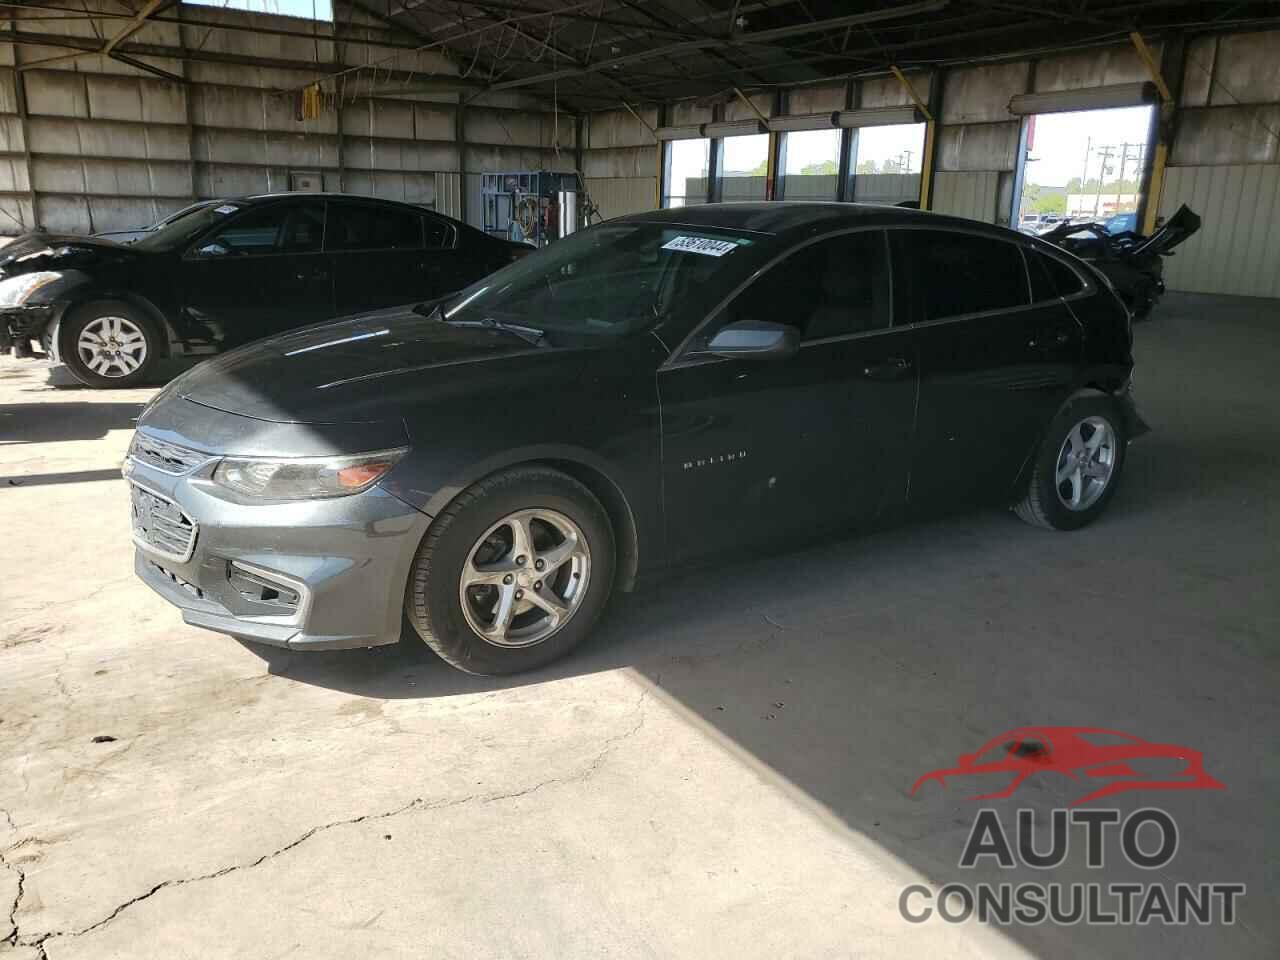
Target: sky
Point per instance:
(311, 9)
(1061, 139)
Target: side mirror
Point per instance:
(212, 249)
(755, 338)
(967, 758)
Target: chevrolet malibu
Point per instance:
(638, 397)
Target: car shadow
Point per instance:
(52, 421)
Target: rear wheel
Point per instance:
(514, 573)
(1078, 466)
(108, 344)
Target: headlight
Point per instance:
(17, 290)
(306, 478)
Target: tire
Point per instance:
(478, 528)
(1049, 504)
(126, 362)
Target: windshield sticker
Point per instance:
(226, 208)
(702, 245)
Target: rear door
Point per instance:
(260, 273)
(377, 255)
(994, 364)
(772, 449)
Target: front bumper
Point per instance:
(314, 575)
(21, 324)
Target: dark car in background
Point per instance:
(228, 273)
(644, 394)
(1132, 263)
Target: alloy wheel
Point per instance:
(1085, 463)
(525, 577)
(112, 346)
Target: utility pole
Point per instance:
(1105, 154)
(1084, 174)
(1124, 159)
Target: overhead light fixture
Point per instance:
(689, 131)
(879, 117)
(734, 128)
(803, 121)
(1088, 98)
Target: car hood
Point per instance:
(54, 251)
(1176, 229)
(369, 368)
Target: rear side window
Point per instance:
(1065, 280)
(354, 226)
(437, 233)
(962, 273)
(1042, 287)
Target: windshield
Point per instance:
(613, 280)
(179, 232)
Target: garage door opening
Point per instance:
(1084, 166)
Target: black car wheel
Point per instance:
(1078, 465)
(514, 573)
(108, 344)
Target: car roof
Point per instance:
(258, 198)
(783, 217)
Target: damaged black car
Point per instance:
(228, 273)
(1133, 263)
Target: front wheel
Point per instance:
(514, 573)
(1078, 466)
(108, 344)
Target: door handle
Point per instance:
(891, 369)
(1059, 339)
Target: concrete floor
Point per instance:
(723, 771)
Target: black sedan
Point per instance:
(226, 273)
(649, 392)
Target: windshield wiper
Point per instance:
(433, 312)
(529, 334)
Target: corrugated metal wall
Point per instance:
(1225, 165)
(105, 146)
(619, 161)
(972, 195)
(1237, 250)
(618, 196)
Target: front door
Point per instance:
(774, 449)
(994, 365)
(262, 272)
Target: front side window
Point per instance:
(962, 273)
(614, 280)
(276, 228)
(833, 288)
(357, 226)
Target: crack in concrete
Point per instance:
(609, 745)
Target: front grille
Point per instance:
(161, 526)
(172, 577)
(164, 456)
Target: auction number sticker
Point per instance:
(702, 245)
